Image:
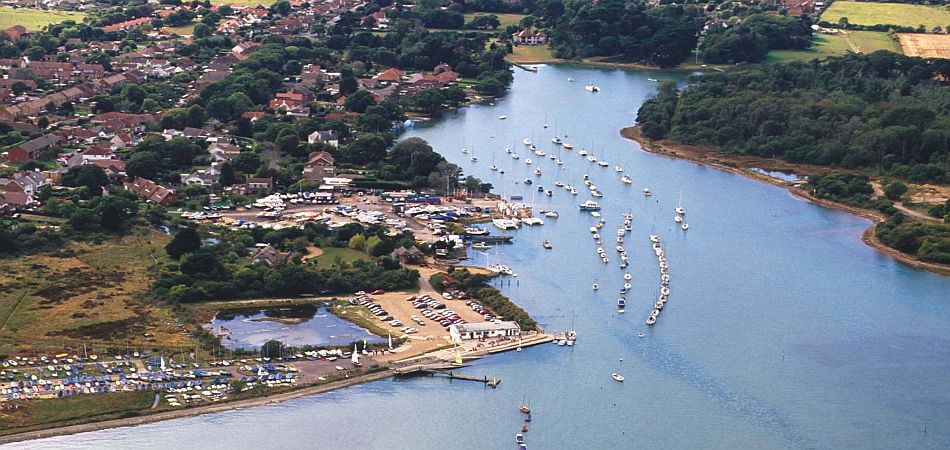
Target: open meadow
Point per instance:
(867, 13)
(86, 293)
(34, 19)
(827, 45)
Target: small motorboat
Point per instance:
(678, 219)
(641, 335)
(617, 168)
(524, 428)
(617, 377)
(685, 226)
(502, 117)
(568, 145)
(627, 277)
(519, 438)
(646, 192)
(626, 180)
(595, 286)
(473, 159)
(493, 167)
(537, 171)
(526, 141)
(528, 161)
(547, 244)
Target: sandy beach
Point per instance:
(742, 165)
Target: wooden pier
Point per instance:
(438, 368)
(490, 382)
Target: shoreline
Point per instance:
(196, 411)
(741, 165)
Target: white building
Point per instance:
(484, 330)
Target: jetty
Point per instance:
(438, 368)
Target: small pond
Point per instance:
(294, 325)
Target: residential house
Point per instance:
(406, 255)
(270, 256)
(529, 37)
(259, 185)
(327, 136)
(286, 101)
(319, 166)
(151, 191)
(34, 149)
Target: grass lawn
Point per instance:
(825, 45)
(505, 19)
(251, 3)
(89, 292)
(867, 13)
(184, 30)
(330, 255)
(36, 414)
(531, 54)
(35, 19)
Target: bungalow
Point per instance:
(270, 256)
(406, 255)
(259, 185)
(222, 152)
(483, 330)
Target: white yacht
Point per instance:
(591, 87)
(626, 179)
(617, 168)
(646, 192)
(603, 163)
(526, 141)
(568, 146)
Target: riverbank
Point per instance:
(744, 165)
(215, 408)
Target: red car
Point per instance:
(378, 292)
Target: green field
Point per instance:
(865, 13)
(38, 414)
(34, 19)
(184, 30)
(244, 2)
(531, 54)
(825, 45)
(330, 255)
(505, 19)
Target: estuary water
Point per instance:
(782, 330)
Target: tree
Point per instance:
(84, 219)
(142, 164)
(185, 241)
(273, 348)
(19, 88)
(227, 177)
(196, 116)
(359, 101)
(114, 211)
(366, 149)
(282, 7)
(429, 100)
(42, 122)
(894, 190)
(90, 176)
(357, 242)
(202, 30)
(287, 141)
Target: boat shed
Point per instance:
(484, 330)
